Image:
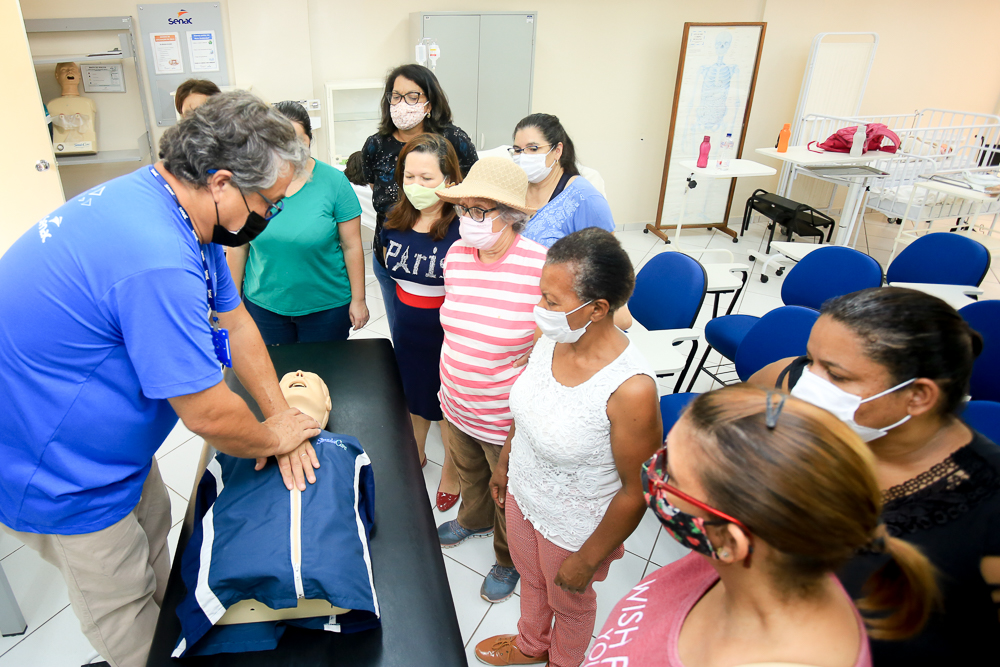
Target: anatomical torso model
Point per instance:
(74, 118)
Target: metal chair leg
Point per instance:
(680, 378)
(736, 297)
(701, 366)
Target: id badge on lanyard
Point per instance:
(220, 336)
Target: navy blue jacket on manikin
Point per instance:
(255, 539)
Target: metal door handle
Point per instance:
(42, 165)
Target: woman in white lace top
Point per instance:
(586, 416)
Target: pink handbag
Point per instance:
(875, 133)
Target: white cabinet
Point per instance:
(486, 68)
(352, 115)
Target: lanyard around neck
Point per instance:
(213, 314)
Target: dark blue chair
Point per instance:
(823, 274)
(671, 407)
(940, 259)
(984, 317)
(984, 416)
(783, 332)
(669, 292)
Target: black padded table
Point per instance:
(419, 625)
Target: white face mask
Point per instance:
(824, 394)
(534, 166)
(555, 324)
(478, 234)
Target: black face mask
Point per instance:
(252, 228)
(254, 225)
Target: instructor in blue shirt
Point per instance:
(117, 313)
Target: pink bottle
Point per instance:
(706, 146)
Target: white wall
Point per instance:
(608, 69)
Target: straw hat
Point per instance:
(496, 178)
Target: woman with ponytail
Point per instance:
(894, 365)
(773, 496)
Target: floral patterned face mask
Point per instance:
(687, 529)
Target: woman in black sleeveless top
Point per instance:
(895, 365)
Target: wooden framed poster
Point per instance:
(716, 78)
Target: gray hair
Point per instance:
(516, 219)
(238, 132)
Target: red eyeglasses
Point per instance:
(658, 477)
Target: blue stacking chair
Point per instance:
(984, 416)
(984, 317)
(940, 259)
(821, 275)
(783, 332)
(669, 292)
(671, 407)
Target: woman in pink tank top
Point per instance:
(772, 495)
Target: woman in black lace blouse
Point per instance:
(413, 104)
(895, 365)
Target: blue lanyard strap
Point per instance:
(214, 315)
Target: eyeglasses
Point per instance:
(411, 98)
(658, 477)
(273, 207)
(530, 150)
(476, 213)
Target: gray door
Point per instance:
(458, 66)
(505, 49)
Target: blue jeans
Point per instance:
(275, 329)
(388, 287)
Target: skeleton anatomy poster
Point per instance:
(712, 97)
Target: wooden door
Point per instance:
(28, 171)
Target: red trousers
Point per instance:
(537, 561)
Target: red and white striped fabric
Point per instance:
(488, 324)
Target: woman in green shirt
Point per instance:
(303, 278)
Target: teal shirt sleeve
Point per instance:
(345, 205)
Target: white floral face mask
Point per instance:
(405, 116)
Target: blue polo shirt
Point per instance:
(103, 316)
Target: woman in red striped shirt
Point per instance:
(491, 278)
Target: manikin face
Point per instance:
(308, 393)
(68, 73)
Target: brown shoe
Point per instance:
(501, 650)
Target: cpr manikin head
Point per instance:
(308, 393)
(68, 75)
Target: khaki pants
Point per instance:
(475, 460)
(117, 576)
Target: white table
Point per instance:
(800, 156)
(980, 199)
(738, 168)
(955, 296)
(658, 349)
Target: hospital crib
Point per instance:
(939, 143)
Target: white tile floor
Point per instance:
(53, 638)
